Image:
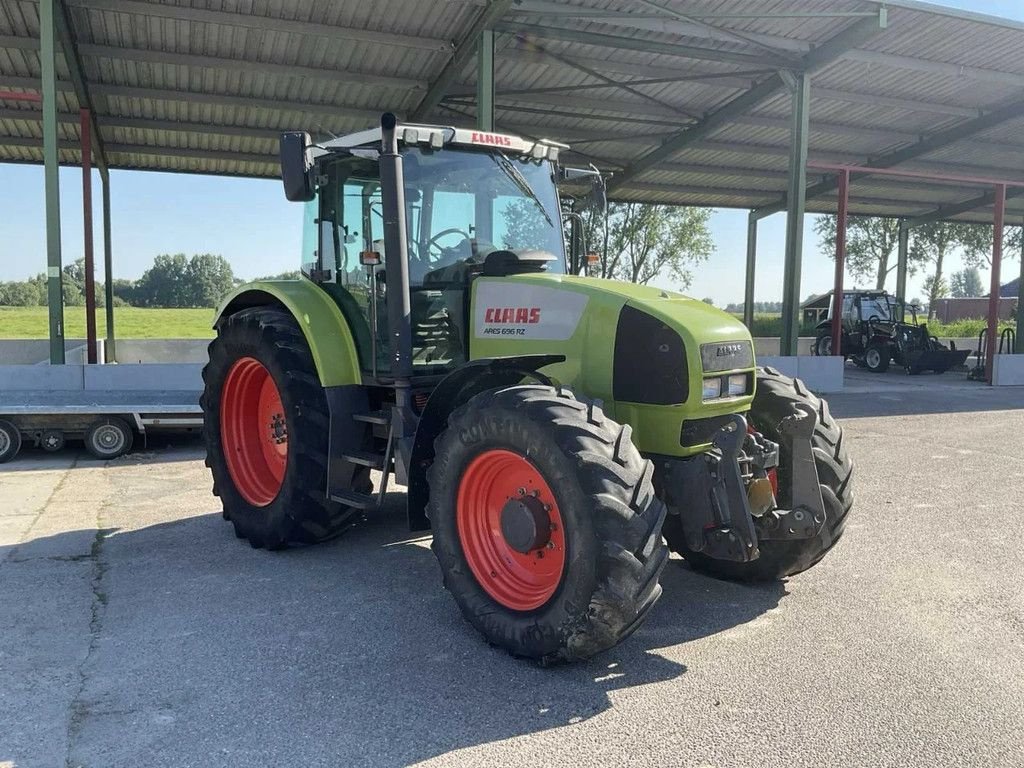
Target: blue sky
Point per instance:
(251, 224)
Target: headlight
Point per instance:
(737, 384)
(712, 389)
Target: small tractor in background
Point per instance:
(875, 333)
(550, 427)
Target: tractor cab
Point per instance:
(474, 203)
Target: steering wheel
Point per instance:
(432, 243)
(874, 319)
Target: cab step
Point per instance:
(355, 499)
(366, 459)
(374, 417)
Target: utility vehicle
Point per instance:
(550, 427)
(875, 333)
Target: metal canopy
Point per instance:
(681, 98)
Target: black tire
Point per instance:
(611, 517)
(300, 513)
(776, 398)
(876, 358)
(823, 346)
(10, 441)
(109, 437)
(52, 440)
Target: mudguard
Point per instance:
(326, 330)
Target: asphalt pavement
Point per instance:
(136, 630)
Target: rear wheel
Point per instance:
(10, 441)
(778, 397)
(545, 523)
(876, 358)
(823, 346)
(266, 432)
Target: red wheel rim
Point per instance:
(516, 580)
(253, 431)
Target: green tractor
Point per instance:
(551, 428)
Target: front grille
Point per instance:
(650, 361)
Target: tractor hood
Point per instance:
(654, 357)
(697, 321)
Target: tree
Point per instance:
(209, 278)
(645, 241)
(966, 283)
(709, 300)
(931, 243)
(19, 294)
(936, 288)
(871, 243)
(177, 281)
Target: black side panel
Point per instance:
(346, 434)
(650, 361)
(454, 390)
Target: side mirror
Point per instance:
(598, 197)
(297, 166)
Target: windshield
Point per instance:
(875, 307)
(462, 205)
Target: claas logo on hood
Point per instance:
(512, 315)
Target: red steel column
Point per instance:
(90, 279)
(837, 288)
(993, 297)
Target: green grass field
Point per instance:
(129, 323)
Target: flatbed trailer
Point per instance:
(108, 410)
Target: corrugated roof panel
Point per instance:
(902, 87)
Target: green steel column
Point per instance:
(748, 292)
(795, 200)
(110, 353)
(485, 81)
(901, 264)
(1019, 346)
(55, 291)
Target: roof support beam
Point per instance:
(69, 46)
(944, 212)
(463, 52)
(824, 54)
(600, 40)
(265, 23)
(675, 24)
(913, 151)
(794, 250)
(48, 10)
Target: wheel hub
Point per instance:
(525, 524)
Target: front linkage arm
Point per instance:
(713, 496)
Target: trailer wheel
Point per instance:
(108, 438)
(52, 440)
(545, 523)
(777, 397)
(266, 433)
(10, 441)
(876, 358)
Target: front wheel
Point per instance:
(876, 358)
(545, 523)
(778, 397)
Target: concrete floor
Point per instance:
(136, 630)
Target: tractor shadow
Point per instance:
(351, 649)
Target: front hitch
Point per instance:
(807, 516)
(721, 496)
